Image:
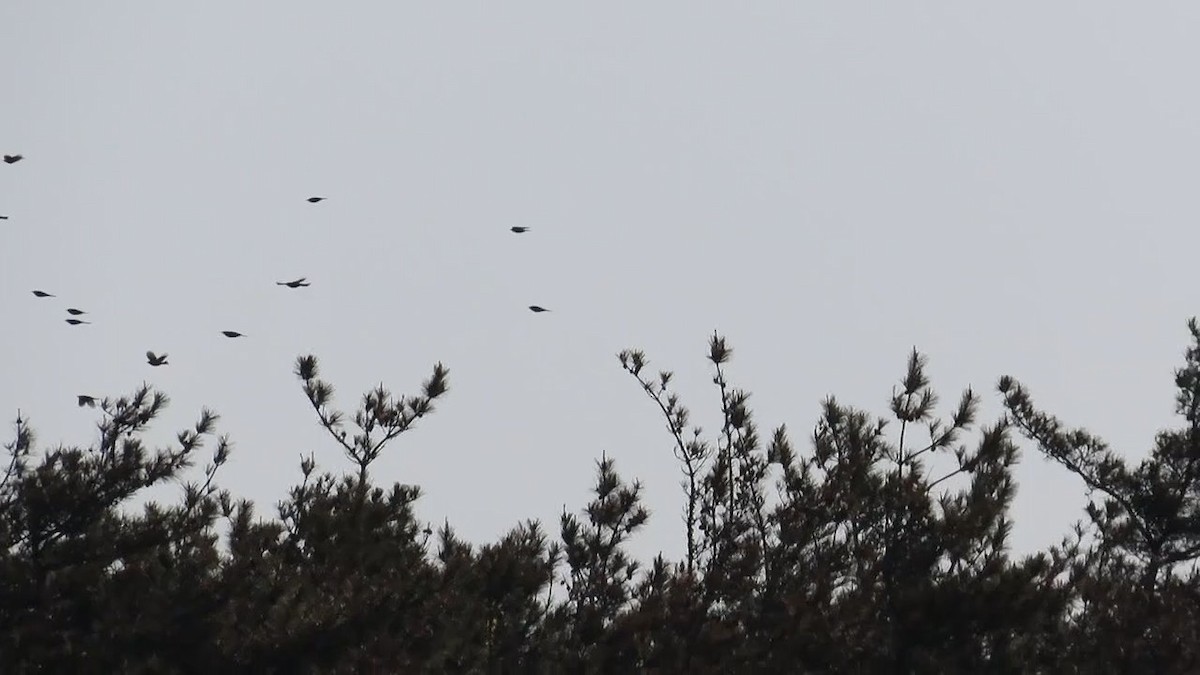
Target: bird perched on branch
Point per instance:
(13, 159)
(89, 401)
(42, 294)
(537, 310)
(76, 322)
(231, 334)
(298, 283)
(155, 360)
(314, 200)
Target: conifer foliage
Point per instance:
(880, 544)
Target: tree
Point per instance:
(84, 582)
(881, 547)
(1137, 582)
(864, 558)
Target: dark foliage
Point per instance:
(882, 548)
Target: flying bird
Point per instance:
(76, 322)
(42, 294)
(232, 334)
(3, 217)
(537, 310)
(314, 200)
(519, 230)
(13, 159)
(89, 401)
(298, 283)
(75, 312)
(155, 360)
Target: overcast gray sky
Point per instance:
(1010, 188)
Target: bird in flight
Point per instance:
(232, 334)
(42, 294)
(76, 322)
(3, 217)
(75, 312)
(314, 200)
(519, 230)
(298, 283)
(13, 159)
(537, 310)
(86, 400)
(156, 360)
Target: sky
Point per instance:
(1008, 188)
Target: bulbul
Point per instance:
(314, 200)
(13, 159)
(299, 283)
(75, 312)
(42, 294)
(231, 334)
(86, 400)
(537, 310)
(76, 322)
(519, 230)
(156, 360)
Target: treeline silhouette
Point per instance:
(873, 546)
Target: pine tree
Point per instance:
(86, 585)
(860, 557)
(881, 547)
(1136, 576)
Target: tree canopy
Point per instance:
(879, 544)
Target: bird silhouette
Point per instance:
(3, 217)
(314, 200)
(76, 322)
(298, 283)
(156, 360)
(42, 294)
(75, 312)
(519, 230)
(537, 310)
(232, 334)
(86, 400)
(13, 159)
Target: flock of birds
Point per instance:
(155, 359)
